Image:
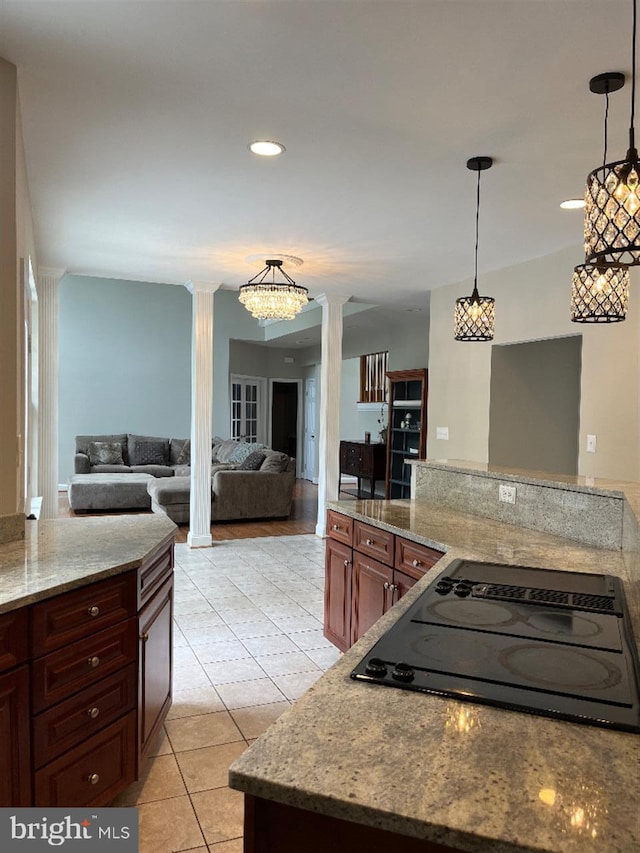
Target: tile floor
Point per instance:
(247, 642)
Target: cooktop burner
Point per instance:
(536, 640)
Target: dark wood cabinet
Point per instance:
(154, 667)
(85, 686)
(337, 594)
(367, 570)
(406, 428)
(365, 461)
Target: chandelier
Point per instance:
(600, 290)
(612, 197)
(475, 315)
(271, 300)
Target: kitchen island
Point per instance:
(85, 657)
(416, 771)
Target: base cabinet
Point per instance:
(367, 570)
(86, 687)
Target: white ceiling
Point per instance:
(137, 117)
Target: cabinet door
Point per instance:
(337, 594)
(401, 584)
(155, 667)
(15, 778)
(371, 593)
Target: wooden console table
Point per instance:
(364, 461)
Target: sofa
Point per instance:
(127, 471)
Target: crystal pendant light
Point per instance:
(612, 196)
(600, 291)
(474, 316)
(271, 300)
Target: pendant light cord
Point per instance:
(475, 270)
(606, 121)
(632, 143)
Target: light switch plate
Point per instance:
(442, 433)
(507, 494)
(591, 444)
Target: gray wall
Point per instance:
(248, 359)
(534, 411)
(125, 360)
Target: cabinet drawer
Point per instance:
(373, 542)
(92, 773)
(340, 527)
(413, 559)
(59, 674)
(73, 615)
(14, 638)
(72, 721)
(153, 573)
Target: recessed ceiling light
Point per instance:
(266, 148)
(572, 204)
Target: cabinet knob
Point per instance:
(336, 527)
(93, 712)
(93, 779)
(94, 611)
(93, 661)
(346, 563)
(369, 542)
(387, 585)
(416, 563)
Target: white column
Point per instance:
(330, 375)
(48, 287)
(199, 535)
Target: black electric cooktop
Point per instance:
(536, 640)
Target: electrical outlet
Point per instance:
(591, 444)
(442, 433)
(507, 494)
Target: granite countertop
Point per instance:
(469, 776)
(63, 554)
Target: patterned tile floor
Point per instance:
(247, 642)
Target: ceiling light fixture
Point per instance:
(612, 213)
(475, 315)
(271, 300)
(600, 290)
(266, 147)
(572, 204)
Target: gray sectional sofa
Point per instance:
(126, 471)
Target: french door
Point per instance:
(247, 408)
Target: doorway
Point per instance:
(534, 411)
(310, 420)
(286, 417)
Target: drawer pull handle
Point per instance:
(94, 611)
(93, 779)
(94, 661)
(336, 527)
(416, 563)
(369, 542)
(93, 712)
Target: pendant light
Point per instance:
(600, 291)
(272, 300)
(474, 316)
(612, 197)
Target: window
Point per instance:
(245, 409)
(373, 380)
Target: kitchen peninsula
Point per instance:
(352, 765)
(85, 656)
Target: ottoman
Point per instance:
(89, 492)
(170, 496)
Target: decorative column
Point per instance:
(48, 288)
(199, 535)
(330, 376)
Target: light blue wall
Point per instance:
(125, 360)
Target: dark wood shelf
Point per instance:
(407, 393)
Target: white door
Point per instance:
(247, 408)
(310, 441)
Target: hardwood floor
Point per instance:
(302, 519)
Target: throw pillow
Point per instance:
(184, 457)
(149, 453)
(225, 450)
(105, 453)
(241, 451)
(253, 461)
(275, 462)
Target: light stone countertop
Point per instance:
(466, 775)
(63, 554)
